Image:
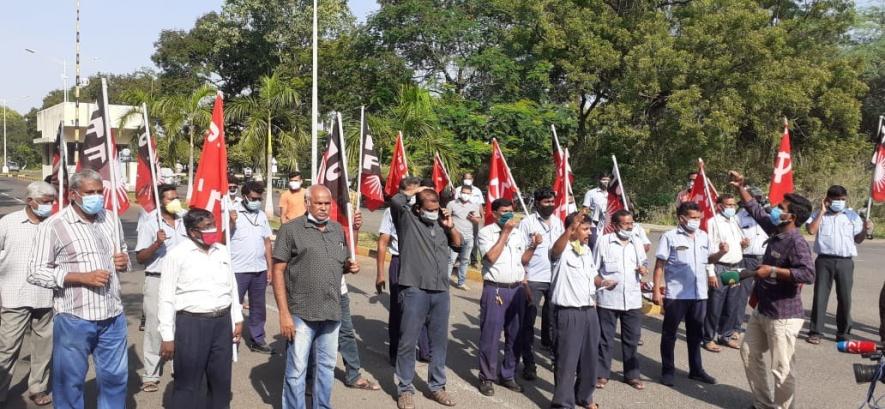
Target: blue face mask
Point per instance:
(729, 212)
(92, 204)
(43, 210)
(837, 205)
(252, 206)
(775, 216)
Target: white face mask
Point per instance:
(465, 197)
(295, 185)
(412, 200)
(468, 182)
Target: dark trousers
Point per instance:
(394, 319)
(631, 327)
(749, 263)
(419, 309)
(721, 308)
(826, 270)
(539, 290)
(882, 314)
(675, 311)
(202, 350)
(347, 347)
(494, 318)
(256, 285)
(577, 354)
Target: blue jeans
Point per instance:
(419, 307)
(74, 339)
(464, 257)
(319, 338)
(347, 347)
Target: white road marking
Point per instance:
(13, 198)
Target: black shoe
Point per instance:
(529, 374)
(512, 385)
(141, 324)
(486, 388)
(703, 377)
(667, 380)
(261, 349)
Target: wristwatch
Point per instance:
(773, 273)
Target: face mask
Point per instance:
(546, 211)
(692, 225)
(429, 217)
(92, 204)
(294, 185)
(43, 210)
(624, 234)
(173, 207)
(465, 197)
(837, 205)
(729, 212)
(775, 216)
(505, 218)
(316, 221)
(253, 205)
(578, 248)
(468, 182)
(232, 191)
(208, 237)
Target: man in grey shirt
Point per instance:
(425, 235)
(467, 216)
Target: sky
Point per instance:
(115, 36)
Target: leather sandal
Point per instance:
(442, 397)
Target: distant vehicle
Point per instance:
(13, 167)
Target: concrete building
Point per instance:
(65, 113)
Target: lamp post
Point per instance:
(5, 102)
(64, 71)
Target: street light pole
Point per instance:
(5, 163)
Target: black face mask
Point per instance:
(546, 211)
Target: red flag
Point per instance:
(501, 184)
(562, 189)
(557, 159)
(94, 155)
(704, 194)
(370, 183)
(877, 191)
(210, 185)
(617, 200)
(782, 177)
(332, 174)
(439, 174)
(144, 180)
(399, 168)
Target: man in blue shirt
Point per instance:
(250, 252)
(837, 229)
(680, 285)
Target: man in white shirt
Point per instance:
(467, 216)
(476, 193)
(596, 202)
(25, 307)
(155, 240)
(722, 298)
(198, 304)
(250, 252)
(503, 300)
(620, 256)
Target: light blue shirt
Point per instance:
(573, 279)
(147, 234)
(836, 234)
(685, 271)
(247, 251)
(619, 261)
(388, 228)
(539, 268)
(754, 232)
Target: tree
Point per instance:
(187, 113)
(269, 109)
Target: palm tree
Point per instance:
(190, 111)
(271, 109)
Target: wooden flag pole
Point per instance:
(518, 192)
(621, 183)
(703, 174)
(112, 162)
(62, 166)
(350, 243)
(152, 165)
(359, 170)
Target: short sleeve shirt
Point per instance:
(147, 234)
(460, 211)
(618, 261)
(247, 249)
(539, 268)
(836, 234)
(508, 268)
(573, 277)
(686, 263)
(389, 229)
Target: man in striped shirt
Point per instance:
(77, 253)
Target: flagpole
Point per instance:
(568, 186)
(63, 166)
(225, 225)
(621, 183)
(445, 171)
(350, 244)
(112, 161)
(314, 102)
(402, 145)
(518, 192)
(152, 165)
(707, 194)
(359, 170)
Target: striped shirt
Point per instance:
(17, 233)
(66, 244)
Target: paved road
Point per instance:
(825, 377)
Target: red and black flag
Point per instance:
(59, 175)
(333, 175)
(370, 172)
(617, 198)
(95, 155)
(145, 185)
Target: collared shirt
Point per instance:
(507, 269)
(292, 203)
(460, 211)
(573, 279)
(685, 271)
(476, 196)
(753, 232)
(17, 234)
(596, 200)
(196, 281)
(66, 244)
(539, 268)
(835, 237)
(779, 299)
(618, 261)
(147, 235)
(247, 241)
(424, 249)
(389, 229)
(728, 231)
(315, 264)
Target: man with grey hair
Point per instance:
(76, 256)
(25, 307)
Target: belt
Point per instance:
(727, 265)
(393, 256)
(214, 314)
(753, 256)
(833, 257)
(501, 285)
(151, 274)
(584, 308)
